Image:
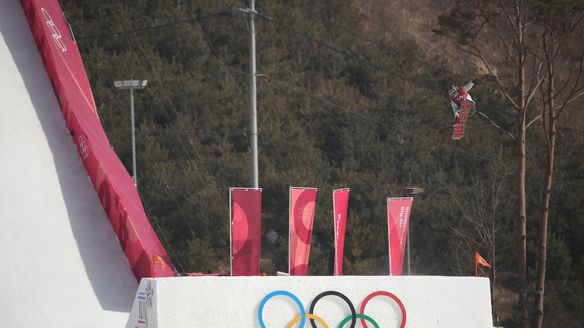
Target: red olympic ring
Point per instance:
(390, 295)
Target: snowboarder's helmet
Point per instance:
(453, 91)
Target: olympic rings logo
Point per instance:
(83, 148)
(301, 318)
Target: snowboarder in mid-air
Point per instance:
(462, 104)
(460, 94)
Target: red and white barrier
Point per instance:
(110, 179)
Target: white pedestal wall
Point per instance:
(429, 301)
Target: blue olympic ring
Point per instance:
(284, 293)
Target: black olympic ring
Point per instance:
(333, 293)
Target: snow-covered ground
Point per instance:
(60, 262)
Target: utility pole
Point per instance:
(131, 85)
(253, 126)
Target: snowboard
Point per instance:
(458, 128)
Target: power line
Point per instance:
(345, 52)
(216, 53)
(358, 58)
(321, 98)
(352, 32)
(369, 118)
(180, 125)
(170, 249)
(182, 214)
(158, 98)
(222, 13)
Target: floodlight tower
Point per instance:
(132, 85)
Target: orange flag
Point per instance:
(480, 260)
(157, 259)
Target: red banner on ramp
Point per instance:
(301, 216)
(340, 206)
(114, 186)
(398, 217)
(246, 227)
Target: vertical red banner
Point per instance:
(340, 205)
(398, 218)
(246, 226)
(301, 216)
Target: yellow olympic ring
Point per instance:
(308, 316)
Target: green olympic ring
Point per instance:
(359, 315)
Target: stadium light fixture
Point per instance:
(132, 85)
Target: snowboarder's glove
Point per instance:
(475, 81)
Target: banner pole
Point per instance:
(335, 235)
(230, 235)
(476, 266)
(408, 250)
(388, 235)
(289, 227)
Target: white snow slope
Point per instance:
(61, 264)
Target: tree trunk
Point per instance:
(521, 165)
(543, 224)
(494, 271)
(550, 129)
(522, 223)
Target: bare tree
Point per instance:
(558, 93)
(479, 26)
(479, 208)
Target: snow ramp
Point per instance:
(66, 262)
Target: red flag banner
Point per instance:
(301, 216)
(479, 260)
(398, 218)
(246, 205)
(340, 205)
